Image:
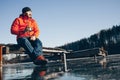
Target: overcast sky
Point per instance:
(61, 21)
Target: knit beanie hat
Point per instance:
(25, 9)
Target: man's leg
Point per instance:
(25, 43)
(37, 45)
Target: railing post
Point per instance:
(1, 56)
(65, 61)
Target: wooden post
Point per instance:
(1, 56)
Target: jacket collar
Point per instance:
(24, 17)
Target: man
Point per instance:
(27, 31)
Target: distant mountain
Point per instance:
(107, 38)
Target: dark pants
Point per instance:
(33, 48)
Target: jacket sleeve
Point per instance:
(15, 27)
(36, 29)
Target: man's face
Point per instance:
(28, 13)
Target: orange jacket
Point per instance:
(19, 25)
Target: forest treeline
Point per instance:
(107, 38)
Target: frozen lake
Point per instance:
(78, 69)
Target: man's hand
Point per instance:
(28, 29)
(33, 38)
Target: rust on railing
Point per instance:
(1, 55)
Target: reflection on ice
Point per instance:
(107, 68)
(16, 72)
(31, 72)
(0, 73)
(103, 62)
